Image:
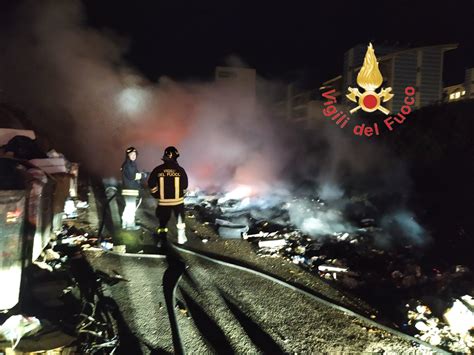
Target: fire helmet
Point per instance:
(131, 150)
(171, 153)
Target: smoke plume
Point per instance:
(75, 86)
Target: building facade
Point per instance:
(469, 83)
(462, 91)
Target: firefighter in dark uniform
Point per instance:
(167, 183)
(131, 185)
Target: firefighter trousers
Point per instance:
(164, 214)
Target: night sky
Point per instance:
(291, 40)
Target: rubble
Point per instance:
(460, 317)
(70, 210)
(50, 255)
(43, 265)
(54, 294)
(260, 235)
(107, 245)
(82, 205)
(298, 259)
(230, 230)
(454, 335)
(272, 243)
(354, 258)
(18, 326)
(330, 268)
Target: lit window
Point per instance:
(457, 95)
(463, 93)
(451, 96)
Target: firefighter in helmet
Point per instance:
(131, 185)
(167, 183)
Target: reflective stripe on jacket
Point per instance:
(167, 183)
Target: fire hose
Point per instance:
(294, 287)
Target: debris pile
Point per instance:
(346, 247)
(453, 331)
(18, 326)
(62, 296)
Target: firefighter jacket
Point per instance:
(129, 171)
(167, 183)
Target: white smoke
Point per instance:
(74, 84)
(401, 227)
(329, 191)
(76, 87)
(311, 219)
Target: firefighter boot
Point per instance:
(181, 233)
(161, 236)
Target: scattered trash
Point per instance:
(330, 268)
(260, 235)
(229, 230)
(82, 204)
(107, 245)
(50, 254)
(18, 326)
(70, 210)
(43, 265)
(300, 249)
(297, 259)
(460, 317)
(358, 257)
(455, 334)
(272, 244)
(343, 237)
(74, 240)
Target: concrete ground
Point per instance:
(221, 309)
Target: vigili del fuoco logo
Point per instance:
(370, 79)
